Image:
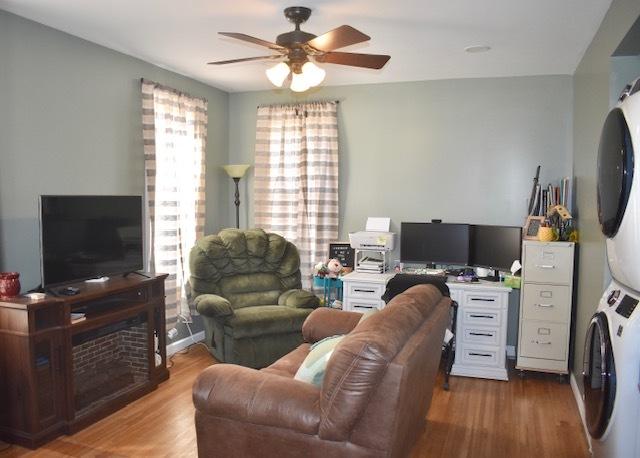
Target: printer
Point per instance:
(376, 237)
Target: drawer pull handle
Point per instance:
(482, 299)
(540, 343)
(545, 266)
(485, 355)
(486, 334)
(474, 315)
(545, 305)
(358, 290)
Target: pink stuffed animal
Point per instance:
(334, 267)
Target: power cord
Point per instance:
(186, 350)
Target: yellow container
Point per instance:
(547, 234)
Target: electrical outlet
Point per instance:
(172, 333)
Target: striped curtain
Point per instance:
(174, 127)
(296, 177)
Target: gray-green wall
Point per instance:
(592, 81)
(460, 150)
(70, 123)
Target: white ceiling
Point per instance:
(425, 38)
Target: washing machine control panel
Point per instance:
(613, 297)
(627, 306)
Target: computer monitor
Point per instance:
(495, 247)
(437, 243)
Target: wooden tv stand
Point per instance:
(57, 377)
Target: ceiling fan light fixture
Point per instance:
(298, 82)
(313, 74)
(278, 73)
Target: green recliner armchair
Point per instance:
(246, 284)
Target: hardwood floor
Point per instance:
(534, 417)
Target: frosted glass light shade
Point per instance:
(298, 83)
(278, 73)
(236, 170)
(313, 74)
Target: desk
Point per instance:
(481, 328)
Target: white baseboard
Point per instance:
(580, 403)
(184, 343)
(511, 351)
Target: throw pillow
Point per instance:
(314, 365)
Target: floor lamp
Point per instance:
(236, 171)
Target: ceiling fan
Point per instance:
(299, 48)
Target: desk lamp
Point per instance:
(236, 171)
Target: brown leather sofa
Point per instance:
(372, 403)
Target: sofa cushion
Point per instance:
(288, 365)
(360, 361)
(265, 319)
(313, 367)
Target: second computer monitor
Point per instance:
(495, 247)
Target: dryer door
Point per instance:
(615, 172)
(599, 376)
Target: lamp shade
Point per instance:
(278, 73)
(298, 83)
(236, 170)
(313, 74)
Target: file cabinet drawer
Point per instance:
(544, 340)
(477, 356)
(548, 263)
(480, 335)
(365, 290)
(481, 317)
(546, 303)
(482, 299)
(362, 305)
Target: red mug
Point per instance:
(9, 284)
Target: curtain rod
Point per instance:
(297, 103)
(170, 89)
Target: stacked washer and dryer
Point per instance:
(611, 375)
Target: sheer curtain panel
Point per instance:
(174, 128)
(296, 177)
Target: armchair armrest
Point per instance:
(299, 298)
(248, 395)
(326, 322)
(213, 305)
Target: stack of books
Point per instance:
(550, 196)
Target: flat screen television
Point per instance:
(438, 243)
(495, 247)
(85, 237)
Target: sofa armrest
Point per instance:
(248, 395)
(213, 305)
(299, 298)
(326, 322)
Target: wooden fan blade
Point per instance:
(250, 39)
(376, 61)
(244, 59)
(344, 35)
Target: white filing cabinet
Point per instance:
(363, 291)
(545, 306)
(481, 329)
